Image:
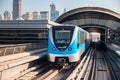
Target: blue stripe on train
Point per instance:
(73, 46)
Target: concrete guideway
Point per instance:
(12, 63)
(19, 62)
(102, 66)
(79, 68)
(15, 56)
(22, 69)
(114, 48)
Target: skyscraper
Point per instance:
(64, 10)
(35, 15)
(1, 17)
(28, 16)
(7, 15)
(44, 15)
(16, 9)
(54, 14)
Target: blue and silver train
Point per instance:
(66, 43)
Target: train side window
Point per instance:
(85, 37)
(82, 37)
(79, 37)
(78, 40)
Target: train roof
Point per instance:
(71, 26)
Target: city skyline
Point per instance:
(37, 5)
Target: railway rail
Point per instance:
(79, 71)
(19, 64)
(95, 64)
(61, 73)
(103, 65)
(114, 64)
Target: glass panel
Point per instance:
(62, 36)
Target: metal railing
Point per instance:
(18, 48)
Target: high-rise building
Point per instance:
(1, 17)
(35, 15)
(16, 9)
(44, 15)
(64, 10)
(7, 15)
(28, 16)
(54, 14)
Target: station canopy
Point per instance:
(91, 16)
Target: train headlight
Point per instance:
(54, 49)
(69, 48)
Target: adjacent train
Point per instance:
(66, 43)
(95, 37)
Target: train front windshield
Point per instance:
(62, 37)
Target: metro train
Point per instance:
(66, 43)
(95, 37)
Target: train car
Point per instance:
(66, 43)
(95, 37)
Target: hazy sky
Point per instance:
(44, 5)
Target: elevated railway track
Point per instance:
(95, 64)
